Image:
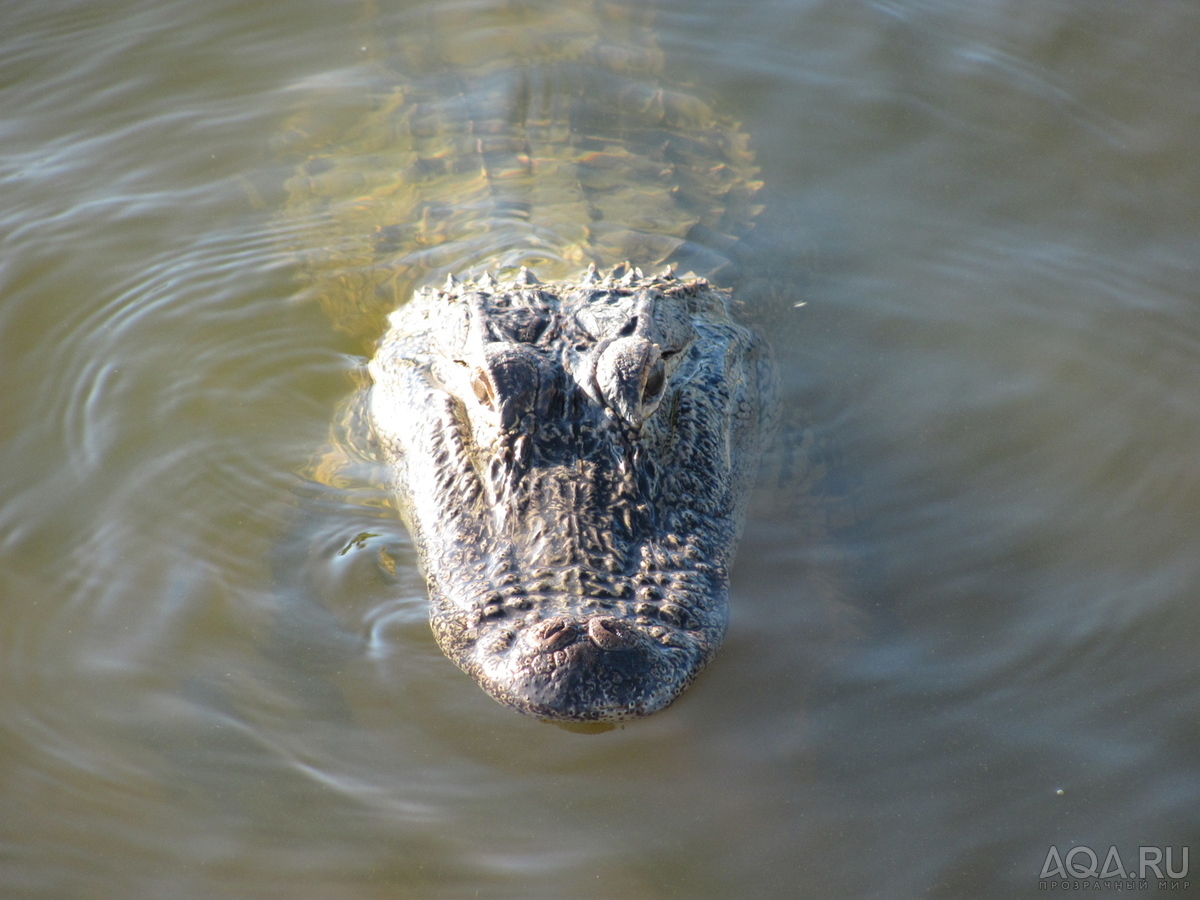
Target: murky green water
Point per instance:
(216, 680)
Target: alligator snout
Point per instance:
(605, 632)
(579, 667)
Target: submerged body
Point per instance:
(573, 458)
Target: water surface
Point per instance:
(216, 680)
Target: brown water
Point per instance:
(216, 680)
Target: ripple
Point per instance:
(211, 672)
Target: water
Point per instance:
(215, 675)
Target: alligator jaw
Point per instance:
(573, 461)
(584, 668)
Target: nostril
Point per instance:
(609, 634)
(555, 633)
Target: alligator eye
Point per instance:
(631, 377)
(483, 390)
(654, 382)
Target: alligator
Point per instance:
(573, 457)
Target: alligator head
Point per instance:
(573, 461)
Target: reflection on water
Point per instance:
(215, 675)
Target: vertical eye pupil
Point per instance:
(654, 382)
(483, 391)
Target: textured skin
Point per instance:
(573, 460)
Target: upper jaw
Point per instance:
(571, 656)
(588, 668)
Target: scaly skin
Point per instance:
(573, 460)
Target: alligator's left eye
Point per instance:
(655, 381)
(631, 377)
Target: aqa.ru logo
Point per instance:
(1084, 862)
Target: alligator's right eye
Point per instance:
(483, 389)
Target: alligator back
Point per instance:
(572, 455)
(490, 137)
